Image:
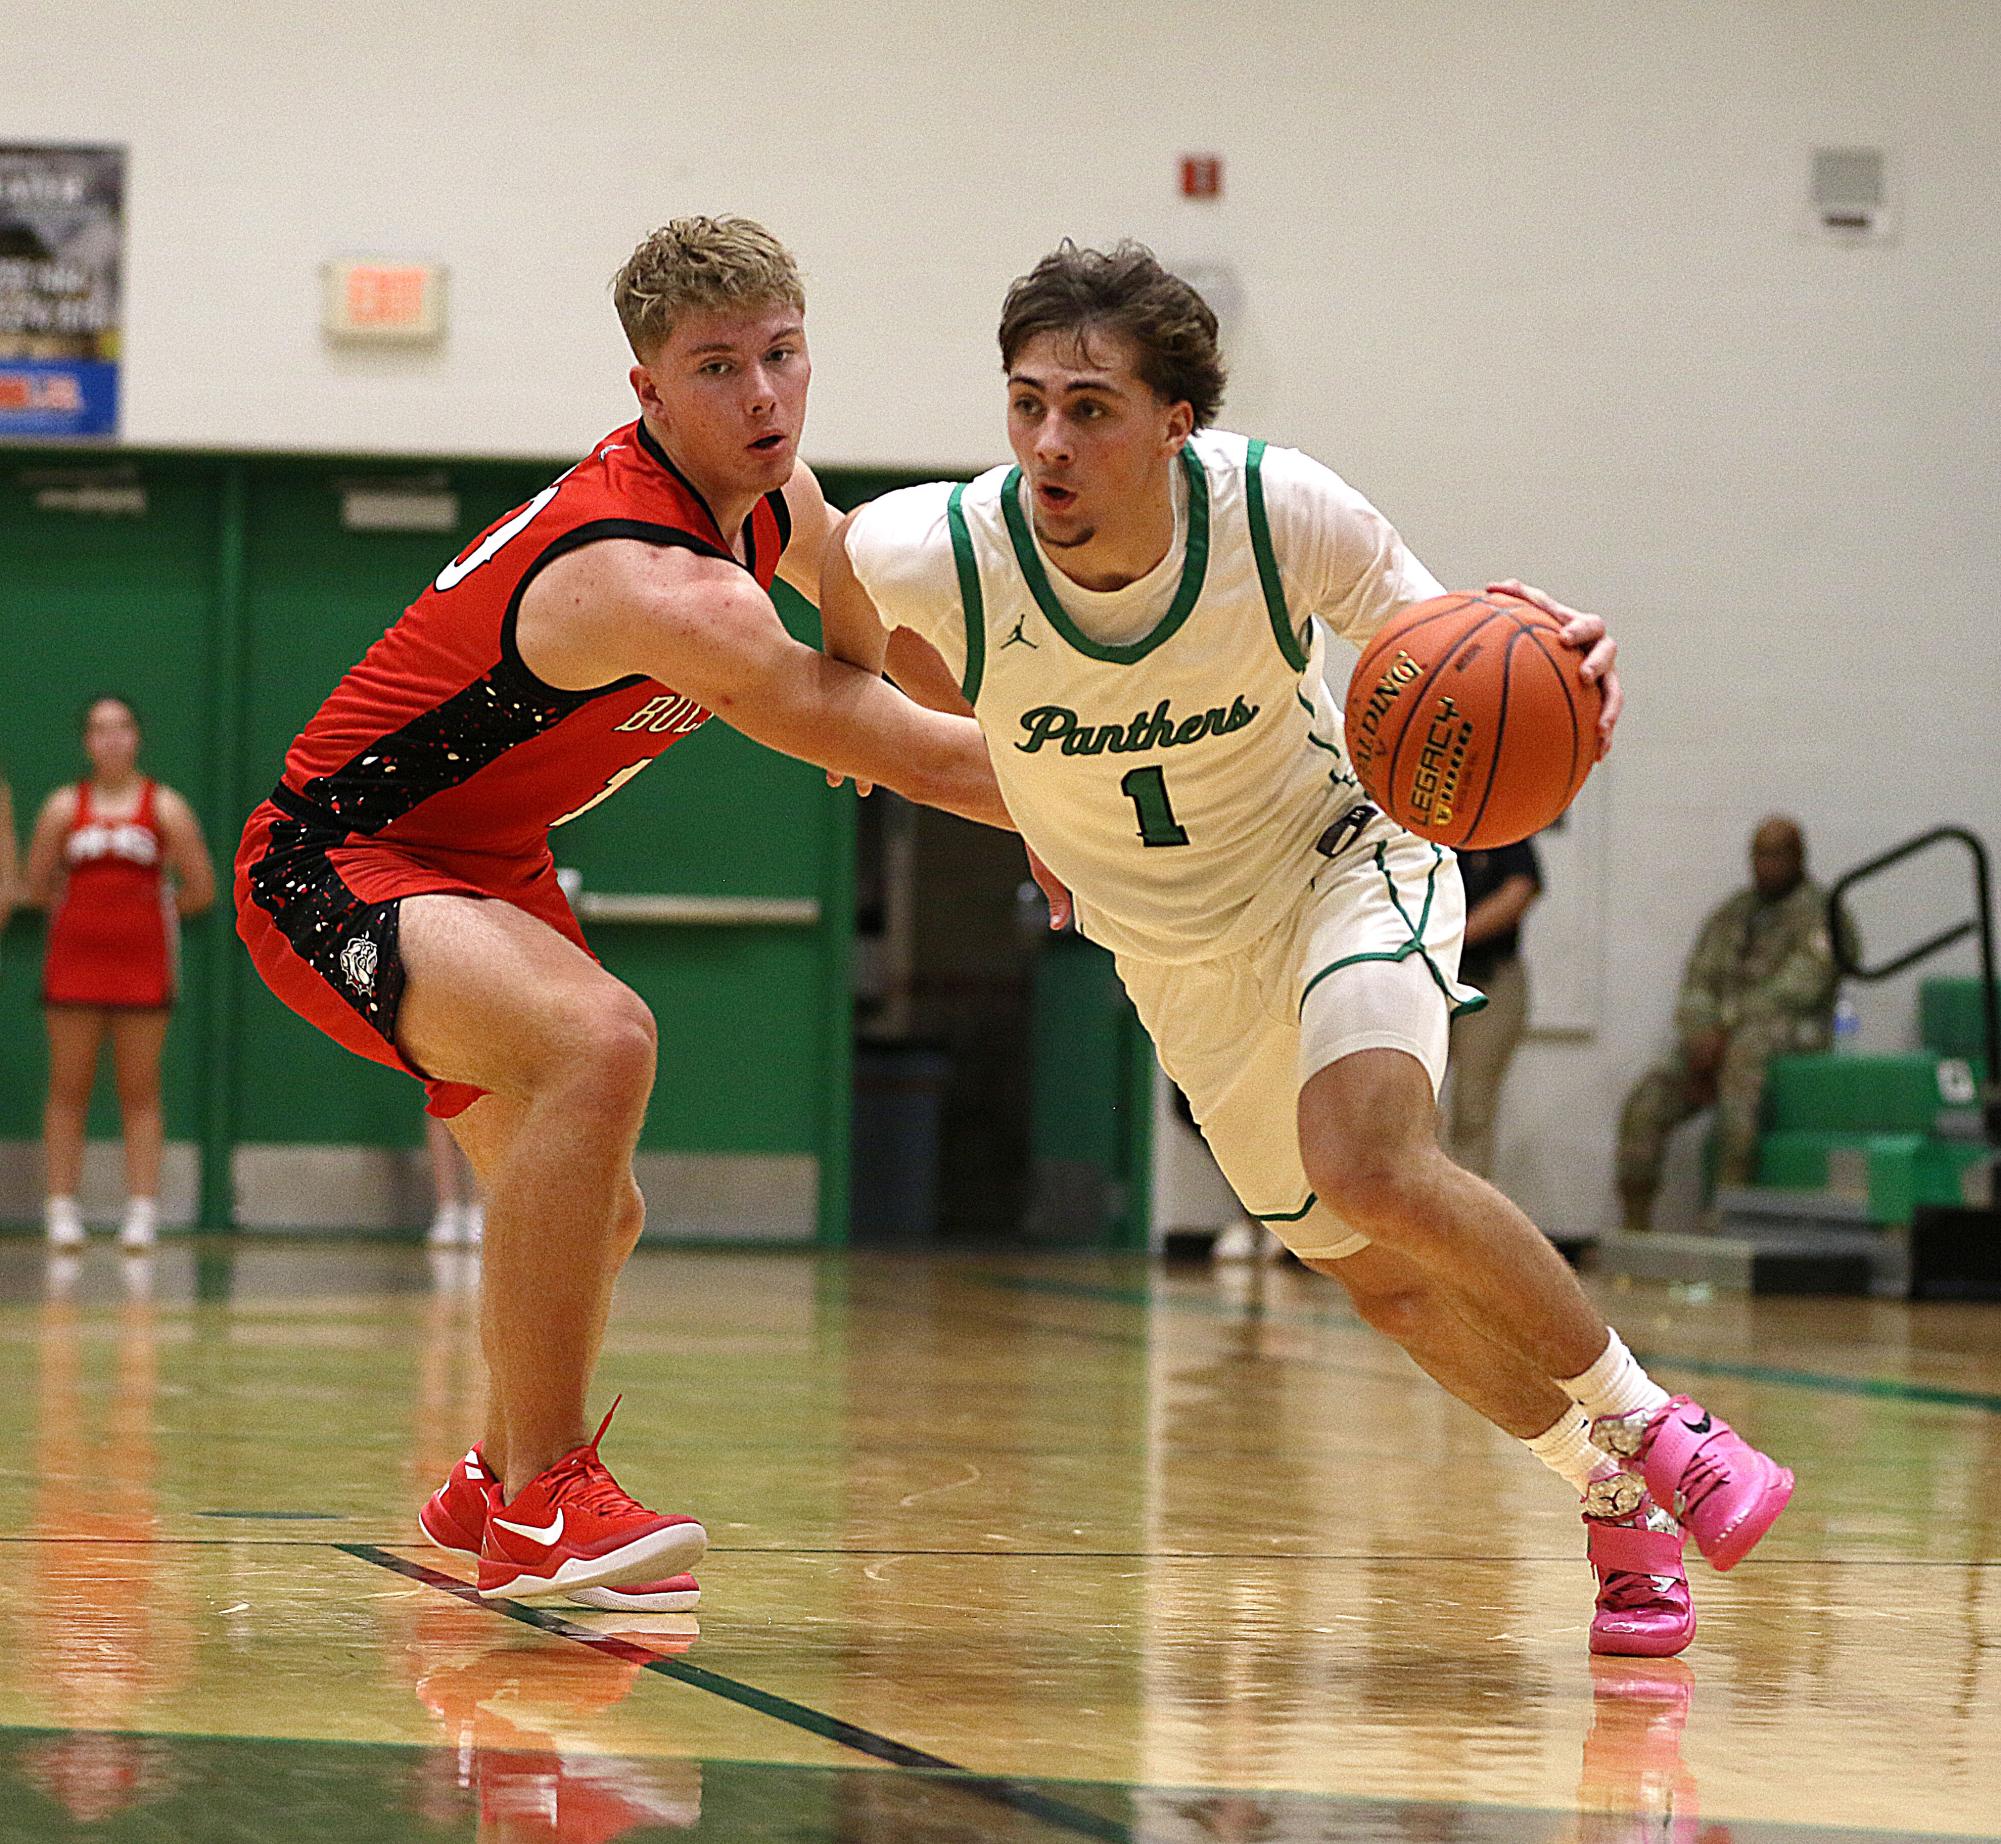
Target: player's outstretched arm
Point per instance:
(852, 628)
(813, 523)
(703, 627)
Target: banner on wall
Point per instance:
(62, 234)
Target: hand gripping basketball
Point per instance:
(1473, 720)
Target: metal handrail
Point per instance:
(698, 911)
(1980, 923)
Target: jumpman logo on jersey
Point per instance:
(1018, 637)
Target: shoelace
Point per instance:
(1703, 1476)
(583, 1480)
(1626, 1591)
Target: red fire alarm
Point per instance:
(1201, 175)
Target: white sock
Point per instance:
(1615, 1385)
(1567, 1451)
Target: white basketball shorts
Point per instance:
(1369, 960)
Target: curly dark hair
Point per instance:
(1122, 290)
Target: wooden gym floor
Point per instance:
(1005, 1549)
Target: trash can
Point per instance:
(899, 1105)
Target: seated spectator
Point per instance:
(1501, 886)
(1760, 983)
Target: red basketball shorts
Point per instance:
(320, 913)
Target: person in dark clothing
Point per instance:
(1501, 886)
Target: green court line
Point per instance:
(282, 1517)
(1474, 1821)
(1017, 1795)
(1886, 1389)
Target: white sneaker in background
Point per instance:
(448, 1227)
(63, 1222)
(141, 1228)
(1238, 1242)
(475, 1218)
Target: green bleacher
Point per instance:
(1895, 1132)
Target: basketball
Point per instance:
(1469, 721)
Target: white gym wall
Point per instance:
(1533, 274)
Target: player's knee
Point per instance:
(629, 1220)
(616, 1044)
(1368, 1183)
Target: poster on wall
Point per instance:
(62, 232)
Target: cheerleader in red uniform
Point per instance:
(116, 860)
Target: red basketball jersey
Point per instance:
(442, 737)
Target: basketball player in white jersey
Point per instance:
(1135, 614)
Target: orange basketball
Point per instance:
(1468, 721)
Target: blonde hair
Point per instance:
(696, 265)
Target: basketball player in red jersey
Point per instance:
(116, 859)
(397, 888)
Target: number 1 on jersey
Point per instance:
(1146, 788)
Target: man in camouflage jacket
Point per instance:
(1760, 983)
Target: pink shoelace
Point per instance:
(1703, 1476)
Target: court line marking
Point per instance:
(1826, 1382)
(279, 1517)
(996, 1789)
(1371, 1805)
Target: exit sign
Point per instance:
(368, 301)
(1202, 176)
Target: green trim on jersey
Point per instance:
(1415, 945)
(1318, 742)
(971, 602)
(1194, 567)
(1268, 577)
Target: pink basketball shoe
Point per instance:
(1644, 1610)
(1722, 1489)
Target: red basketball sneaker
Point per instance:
(454, 1518)
(574, 1526)
(677, 1594)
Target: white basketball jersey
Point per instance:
(1177, 783)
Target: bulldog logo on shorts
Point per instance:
(357, 964)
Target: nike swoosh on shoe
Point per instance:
(545, 1534)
